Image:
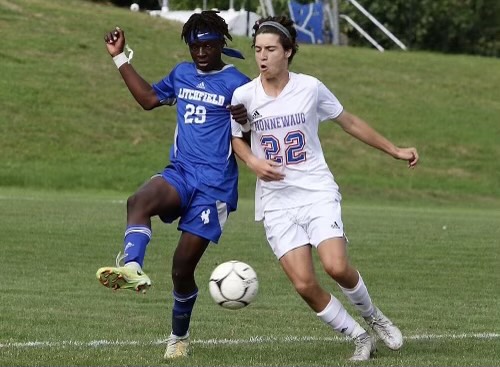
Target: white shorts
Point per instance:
(288, 229)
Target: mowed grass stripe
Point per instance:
(435, 283)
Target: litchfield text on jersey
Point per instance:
(198, 95)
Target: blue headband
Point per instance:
(214, 36)
(204, 36)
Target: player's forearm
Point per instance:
(139, 88)
(242, 150)
(358, 128)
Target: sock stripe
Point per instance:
(184, 298)
(144, 230)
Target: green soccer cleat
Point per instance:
(123, 277)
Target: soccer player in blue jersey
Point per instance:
(199, 186)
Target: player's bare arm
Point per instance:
(358, 128)
(140, 89)
(266, 170)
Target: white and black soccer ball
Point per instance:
(134, 7)
(233, 284)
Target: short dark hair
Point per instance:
(286, 42)
(207, 20)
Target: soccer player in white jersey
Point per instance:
(296, 195)
(199, 185)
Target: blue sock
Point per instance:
(181, 313)
(135, 242)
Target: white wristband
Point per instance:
(245, 127)
(120, 59)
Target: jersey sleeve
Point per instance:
(164, 89)
(329, 106)
(237, 129)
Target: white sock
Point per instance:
(337, 317)
(134, 265)
(359, 297)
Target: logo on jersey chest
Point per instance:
(198, 95)
(260, 123)
(256, 115)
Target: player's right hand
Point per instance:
(115, 41)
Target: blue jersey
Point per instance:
(202, 143)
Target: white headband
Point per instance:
(278, 26)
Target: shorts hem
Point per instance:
(290, 249)
(213, 239)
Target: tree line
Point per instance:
(449, 26)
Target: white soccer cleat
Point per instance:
(385, 329)
(365, 347)
(177, 346)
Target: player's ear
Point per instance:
(288, 53)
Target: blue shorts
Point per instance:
(201, 214)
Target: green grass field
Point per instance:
(74, 145)
(433, 270)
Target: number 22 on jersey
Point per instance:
(294, 143)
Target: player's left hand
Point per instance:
(408, 154)
(265, 169)
(239, 113)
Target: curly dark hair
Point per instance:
(207, 20)
(287, 43)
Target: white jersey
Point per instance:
(285, 129)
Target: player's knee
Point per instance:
(306, 288)
(140, 206)
(133, 203)
(338, 270)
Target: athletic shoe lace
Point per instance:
(119, 258)
(382, 324)
(363, 347)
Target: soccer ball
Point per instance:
(233, 284)
(134, 7)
